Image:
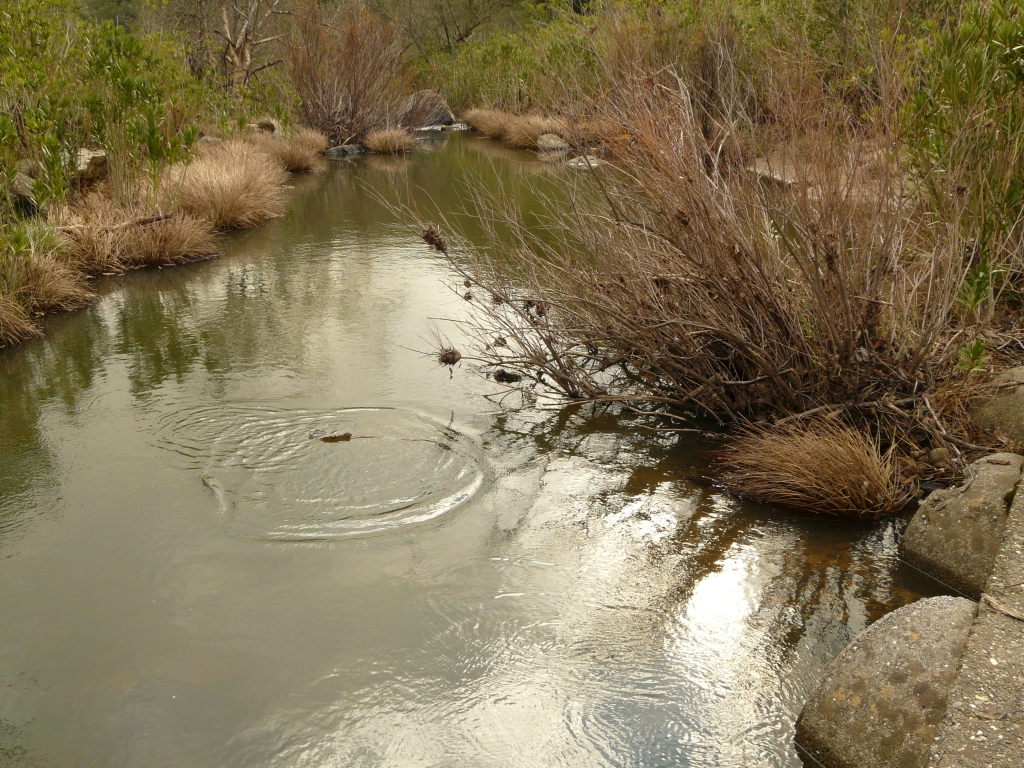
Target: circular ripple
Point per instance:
(272, 481)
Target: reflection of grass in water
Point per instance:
(390, 164)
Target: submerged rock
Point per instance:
(585, 161)
(956, 533)
(344, 150)
(881, 700)
(552, 142)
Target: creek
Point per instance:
(186, 579)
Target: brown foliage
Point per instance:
(523, 132)
(346, 68)
(52, 285)
(823, 467)
(15, 324)
(232, 185)
(295, 154)
(389, 141)
(491, 123)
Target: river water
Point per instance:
(187, 580)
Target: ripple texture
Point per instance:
(272, 481)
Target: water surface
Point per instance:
(186, 579)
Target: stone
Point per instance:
(552, 142)
(24, 194)
(984, 721)
(33, 169)
(1004, 408)
(881, 700)
(956, 532)
(206, 141)
(585, 161)
(269, 125)
(91, 165)
(343, 150)
(426, 108)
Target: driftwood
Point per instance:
(141, 222)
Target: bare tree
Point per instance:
(242, 27)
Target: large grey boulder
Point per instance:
(881, 700)
(426, 108)
(984, 722)
(956, 533)
(1003, 409)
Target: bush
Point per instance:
(232, 185)
(295, 154)
(346, 70)
(389, 141)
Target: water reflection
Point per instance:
(591, 602)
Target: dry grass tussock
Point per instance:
(15, 323)
(232, 185)
(822, 467)
(295, 154)
(52, 285)
(389, 141)
(103, 237)
(491, 123)
(523, 132)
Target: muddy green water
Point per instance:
(187, 580)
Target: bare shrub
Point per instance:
(15, 323)
(293, 154)
(346, 68)
(822, 466)
(491, 123)
(523, 132)
(389, 141)
(232, 185)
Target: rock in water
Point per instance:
(329, 437)
(551, 142)
(882, 699)
(955, 534)
(342, 151)
(426, 108)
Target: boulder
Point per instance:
(33, 169)
(91, 165)
(24, 194)
(881, 700)
(426, 108)
(956, 532)
(343, 150)
(552, 142)
(1004, 409)
(269, 125)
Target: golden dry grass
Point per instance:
(233, 185)
(492, 123)
(523, 132)
(105, 238)
(295, 154)
(313, 139)
(15, 323)
(389, 141)
(52, 285)
(824, 467)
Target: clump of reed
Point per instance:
(296, 154)
(491, 123)
(15, 323)
(389, 141)
(522, 132)
(104, 237)
(51, 284)
(232, 185)
(823, 467)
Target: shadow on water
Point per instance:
(186, 579)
